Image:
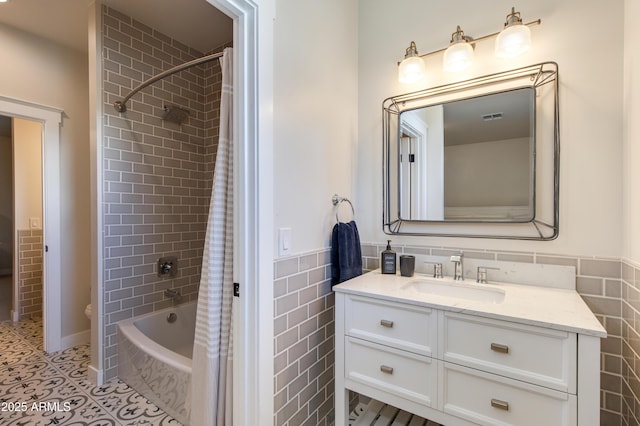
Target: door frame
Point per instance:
(253, 23)
(50, 118)
(253, 205)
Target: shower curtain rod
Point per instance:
(121, 106)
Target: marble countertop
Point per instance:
(558, 309)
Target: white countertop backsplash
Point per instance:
(555, 276)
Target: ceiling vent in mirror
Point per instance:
(494, 116)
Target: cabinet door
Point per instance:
(536, 355)
(402, 326)
(489, 399)
(399, 373)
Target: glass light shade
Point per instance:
(513, 41)
(458, 57)
(411, 70)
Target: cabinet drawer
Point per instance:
(403, 374)
(489, 399)
(536, 355)
(401, 326)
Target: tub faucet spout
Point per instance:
(172, 293)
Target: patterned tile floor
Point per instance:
(37, 389)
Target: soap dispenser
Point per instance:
(388, 260)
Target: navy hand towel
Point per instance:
(346, 255)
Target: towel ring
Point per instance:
(337, 200)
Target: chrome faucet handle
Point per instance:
(458, 269)
(481, 278)
(437, 269)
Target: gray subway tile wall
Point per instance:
(29, 274)
(157, 174)
(629, 365)
(610, 287)
(303, 340)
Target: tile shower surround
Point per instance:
(157, 175)
(303, 328)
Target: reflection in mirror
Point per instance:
(475, 158)
(469, 159)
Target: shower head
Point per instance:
(175, 114)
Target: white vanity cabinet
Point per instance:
(460, 367)
(498, 372)
(388, 349)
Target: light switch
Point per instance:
(284, 241)
(34, 223)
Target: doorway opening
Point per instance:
(6, 219)
(41, 126)
(21, 239)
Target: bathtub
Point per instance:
(154, 356)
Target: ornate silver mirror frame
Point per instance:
(543, 223)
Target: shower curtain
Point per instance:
(210, 402)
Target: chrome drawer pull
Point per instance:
(497, 347)
(386, 323)
(502, 405)
(385, 369)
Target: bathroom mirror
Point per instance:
(477, 158)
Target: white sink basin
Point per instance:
(456, 290)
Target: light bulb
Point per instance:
(458, 57)
(513, 41)
(412, 69)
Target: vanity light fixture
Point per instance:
(412, 69)
(459, 54)
(513, 40)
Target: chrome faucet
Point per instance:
(458, 271)
(481, 278)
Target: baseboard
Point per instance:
(15, 317)
(95, 376)
(75, 339)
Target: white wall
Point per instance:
(38, 71)
(584, 38)
(472, 173)
(27, 175)
(631, 113)
(315, 116)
